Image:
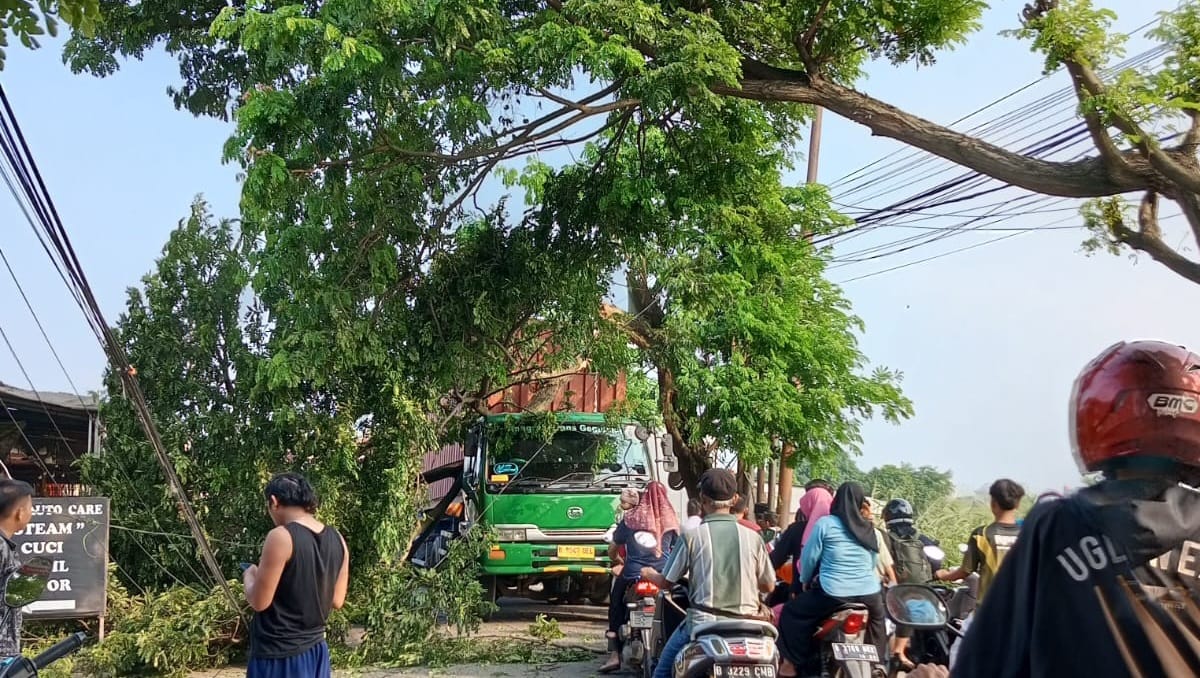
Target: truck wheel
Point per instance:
(597, 588)
(491, 594)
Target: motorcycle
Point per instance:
(723, 648)
(635, 634)
(20, 589)
(843, 651)
(923, 609)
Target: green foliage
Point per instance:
(922, 486)
(170, 633)
(546, 629)
(402, 607)
(1076, 31)
(27, 20)
(950, 521)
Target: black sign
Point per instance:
(73, 533)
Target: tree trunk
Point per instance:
(692, 464)
(760, 484)
(785, 485)
(1087, 178)
(772, 478)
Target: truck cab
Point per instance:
(552, 501)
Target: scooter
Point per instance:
(20, 589)
(723, 648)
(635, 634)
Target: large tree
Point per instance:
(367, 130)
(448, 62)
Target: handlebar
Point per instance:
(59, 650)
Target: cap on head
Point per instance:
(1137, 400)
(718, 484)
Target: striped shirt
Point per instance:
(726, 566)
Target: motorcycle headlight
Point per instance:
(512, 534)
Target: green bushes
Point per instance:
(402, 610)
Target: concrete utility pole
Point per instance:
(786, 477)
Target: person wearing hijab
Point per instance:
(837, 566)
(814, 505)
(647, 531)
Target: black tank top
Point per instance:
(295, 621)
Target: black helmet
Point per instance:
(898, 511)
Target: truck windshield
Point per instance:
(573, 458)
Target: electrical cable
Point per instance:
(63, 256)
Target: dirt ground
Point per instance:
(583, 626)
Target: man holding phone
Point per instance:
(302, 576)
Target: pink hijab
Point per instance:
(653, 514)
(815, 504)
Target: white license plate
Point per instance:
(743, 671)
(853, 652)
(641, 620)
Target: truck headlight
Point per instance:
(512, 534)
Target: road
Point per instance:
(582, 626)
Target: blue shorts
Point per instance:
(313, 663)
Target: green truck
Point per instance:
(550, 498)
(551, 503)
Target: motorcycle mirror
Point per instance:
(934, 553)
(915, 606)
(27, 584)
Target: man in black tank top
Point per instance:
(303, 574)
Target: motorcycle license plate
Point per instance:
(743, 671)
(854, 652)
(641, 620)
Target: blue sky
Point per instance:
(989, 339)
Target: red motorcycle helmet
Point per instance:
(1138, 399)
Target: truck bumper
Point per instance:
(524, 559)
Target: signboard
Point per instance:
(73, 533)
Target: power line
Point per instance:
(38, 321)
(892, 160)
(956, 190)
(63, 256)
(936, 256)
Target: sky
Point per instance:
(989, 339)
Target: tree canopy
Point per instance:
(453, 88)
(27, 20)
(368, 129)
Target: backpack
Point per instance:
(909, 561)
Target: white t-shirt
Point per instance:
(691, 523)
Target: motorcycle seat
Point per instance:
(734, 627)
(849, 607)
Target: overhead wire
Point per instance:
(922, 206)
(965, 187)
(33, 192)
(75, 457)
(886, 165)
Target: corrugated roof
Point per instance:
(19, 397)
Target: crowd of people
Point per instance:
(1100, 583)
(1111, 568)
(831, 554)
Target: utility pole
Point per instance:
(786, 477)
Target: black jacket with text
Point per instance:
(1102, 583)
